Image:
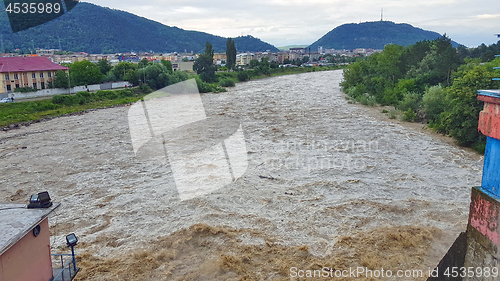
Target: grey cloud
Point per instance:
(303, 22)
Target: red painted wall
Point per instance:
(484, 215)
(29, 258)
(489, 117)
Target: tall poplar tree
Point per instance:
(230, 53)
(204, 64)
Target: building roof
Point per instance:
(490, 93)
(16, 221)
(24, 64)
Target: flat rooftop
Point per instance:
(16, 221)
(490, 93)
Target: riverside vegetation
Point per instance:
(429, 82)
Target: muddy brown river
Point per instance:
(328, 186)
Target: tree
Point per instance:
(438, 64)
(462, 110)
(122, 68)
(413, 54)
(209, 50)
(388, 61)
(264, 66)
(168, 65)
(230, 53)
(254, 63)
(448, 60)
(204, 64)
(104, 66)
(85, 73)
(132, 76)
(154, 75)
(143, 63)
(61, 80)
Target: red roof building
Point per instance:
(35, 72)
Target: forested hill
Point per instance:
(373, 35)
(95, 29)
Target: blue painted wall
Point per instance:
(491, 169)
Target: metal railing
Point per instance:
(68, 270)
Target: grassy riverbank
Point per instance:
(29, 111)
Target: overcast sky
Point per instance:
(290, 22)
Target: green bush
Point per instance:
(393, 114)
(227, 82)
(434, 102)
(367, 99)
(372, 101)
(58, 99)
(411, 100)
(46, 106)
(204, 87)
(87, 97)
(125, 93)
(243, 76)
(394, 95)
(356, 91)
(67, 100)
(409, 115)
(106, 95)
(145, 88)
(83, 94)
(222, 75)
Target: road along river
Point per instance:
(329, 186)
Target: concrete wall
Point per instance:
(183, 65)
(483, 233)
(29, 258)
(59, 91)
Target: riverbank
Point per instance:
(386, 114)
(19, 114)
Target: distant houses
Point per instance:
(53, 58)
(244, 58)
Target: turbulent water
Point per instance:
(320, 170)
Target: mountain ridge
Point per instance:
(92, 28)
(374, 35)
